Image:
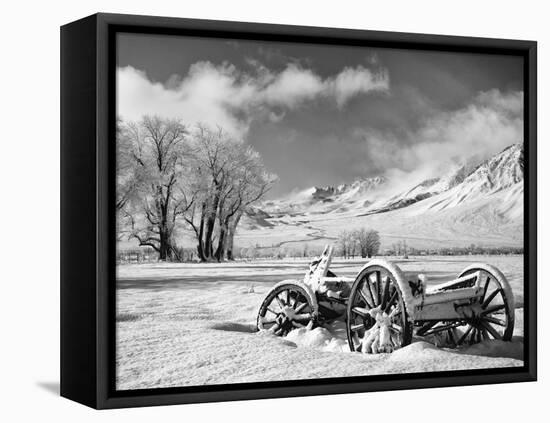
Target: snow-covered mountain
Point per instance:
(502, 171)
(483, 200)
(465, 182)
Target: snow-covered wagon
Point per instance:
(383, 308)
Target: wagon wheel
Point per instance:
(286, 307)
(377, 290)
(496, 319)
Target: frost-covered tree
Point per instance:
(229, 177)
(157, 152)
(125, 170)
(248, 182)
(127, 178)
(346, 243)
(368, 241)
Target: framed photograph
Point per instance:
(254, 211)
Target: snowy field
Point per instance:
(194, 324)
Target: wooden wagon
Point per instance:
(383, 309)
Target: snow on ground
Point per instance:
(194, 324)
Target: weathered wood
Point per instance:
(449, 296)
(337, 279)
(318, 269)
(448, 310)
(467, 281)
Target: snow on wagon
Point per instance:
(383, 309)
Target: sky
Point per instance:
(324, 115)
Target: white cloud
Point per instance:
(223, 95)
(291, 87)
(490, 123)
(198, 98)
(354, 81)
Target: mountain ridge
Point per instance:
(498, 172)
(475, 201)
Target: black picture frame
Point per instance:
(87, 214)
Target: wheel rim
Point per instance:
(494, 319)
(285, 309)
(376, 288)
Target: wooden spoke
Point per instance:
(287, 302)
(364, 298)
(473, 336)
(291, 299)
(452, 336)
(465, 335)
(486, 287)
(442, 328)
(391, 301)
(492, 309)
(485, 334)
(386, 293)
(296, 301)
(280, 302)
(271, 311)
(491, 330)
(426, 327)
(302, 316)
(490, 298)
(361, 311)
(396, 339)
(378, 287)
(300, 307)
(370, 292)
(494, 320)
(396, 328)
(355, 328)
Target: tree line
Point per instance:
(363, 241)
(173, 178)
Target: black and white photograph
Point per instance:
(298, 211)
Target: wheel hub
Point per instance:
(289, 313)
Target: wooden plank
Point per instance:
(446, 286)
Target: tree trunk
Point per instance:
(200, 247)
(229, 245)
(222, 241)
(210, 223)
(232, 228)
(165, 247)
(221, 244)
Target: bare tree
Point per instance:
(230, 177)
(212, 161)
(125, 169)
(127, 178)
(368, 241)
(346, 241)
(250, 182)
(159, 154)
